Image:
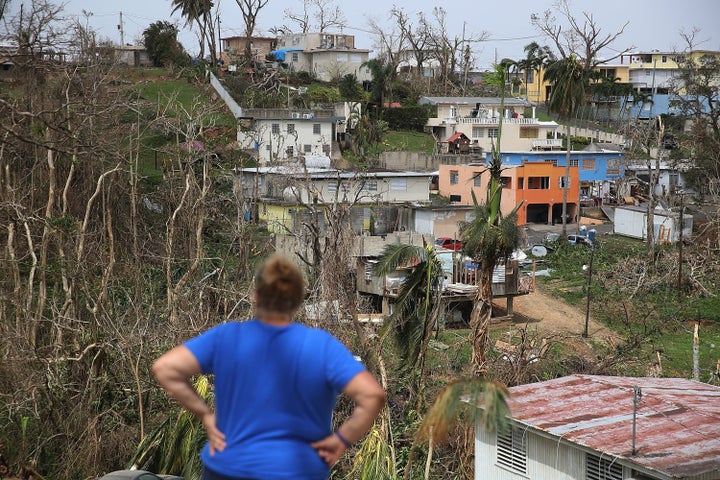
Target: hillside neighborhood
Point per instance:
(424, 198)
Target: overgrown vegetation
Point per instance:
(122, 237)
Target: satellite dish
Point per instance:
(539, 251)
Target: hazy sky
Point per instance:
(653, 24)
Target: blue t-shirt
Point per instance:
(275, 391)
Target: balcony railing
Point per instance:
(496, 121)
(547, 143)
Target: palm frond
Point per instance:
(174, 446)
(466, 401)
(396, 256)
(374, 460)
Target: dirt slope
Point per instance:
(554, 316)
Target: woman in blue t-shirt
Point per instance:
(276, 385)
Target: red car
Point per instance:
(448, 243)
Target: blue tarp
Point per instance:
(280, 54)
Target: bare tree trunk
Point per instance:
(44, 246)
(567, 179)
(480, 320)
(169, 250)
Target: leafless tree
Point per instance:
(250, 10)
(577, 35)
(4, 4)
(450, 50)
(317, 15)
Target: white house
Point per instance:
(478, 118)
(671, 177)
(284, 134)
(586, 427)
(301, 184)
(327, 56)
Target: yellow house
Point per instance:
(537, 90)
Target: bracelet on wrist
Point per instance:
(343, 439)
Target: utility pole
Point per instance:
(589, 283)
(122, 31)
(680, 245)
(637, 395)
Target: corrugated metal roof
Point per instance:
(678, 420)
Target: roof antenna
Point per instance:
(637, 395)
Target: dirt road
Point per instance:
(554, 316)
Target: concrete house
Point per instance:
(478, 118)
(599, 169)
(326, 56)
(283, 195)
(586, 427)
(233, 48)
(280, 135)
(539, 185)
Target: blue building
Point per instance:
(599, 168)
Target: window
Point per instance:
(521, 183)
(307, 148)
(476, 179)
(398, 185)
(454, 177)
(506, 182)
(275, 128)
(613, 166)
(326, 148)
(370, 186)
(290, 151)
(316, 128)
(574, 162)
(664, 59)
(561, 182)
(530, 76)
(290, 128)
(588, 164)
(492, 132)
(455, 198)
(478, 132)
(553, 161)
(538, 183)
(597, 468)
(529, 132)
(512, 450)
(295, 57)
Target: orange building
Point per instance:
(538, 185)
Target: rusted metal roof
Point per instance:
(677, 420)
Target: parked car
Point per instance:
(448, 243)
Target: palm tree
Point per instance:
(382, 77)
(536, 58)
(417, 304)
(197, 11)
(489, 238)
(568, 79)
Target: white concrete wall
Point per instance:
(274, 146)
